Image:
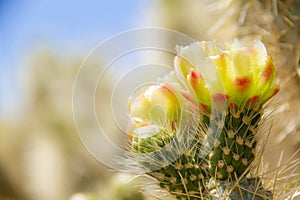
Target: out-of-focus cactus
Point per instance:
(122, 187)
(211, 149)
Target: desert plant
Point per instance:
(202, 130)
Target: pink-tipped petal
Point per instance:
(220, 98)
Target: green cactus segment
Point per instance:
(179, 169)
(183, 178)
(149, 139)
(196, 132)
(231, 143)
(247, 189)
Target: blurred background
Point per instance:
(42, 46)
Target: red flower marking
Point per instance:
(195, 75)
(194, 78)
(193, 105)
(268, 71)
(276, 90)
(252, 100)
(187, 96)
(242, 83)
(220, 98)
(204, 107)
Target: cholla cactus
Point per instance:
(243, 83)
(198, 132)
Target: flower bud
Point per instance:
(157, 105)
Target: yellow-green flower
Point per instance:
(156, 105)
(180, 136)
(240, 75)
(153, 114)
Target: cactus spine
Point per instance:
(199, 138)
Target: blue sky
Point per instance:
(66, 25)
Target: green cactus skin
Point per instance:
(231, 145)
(186, 173)
(182, 171)
(215, 162)
(182, 177)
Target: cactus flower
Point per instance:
(157, 104)
(189, 146)
(241, 75)
(151, 112)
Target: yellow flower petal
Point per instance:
(242, 74)
(198, 84)
(158, 104)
